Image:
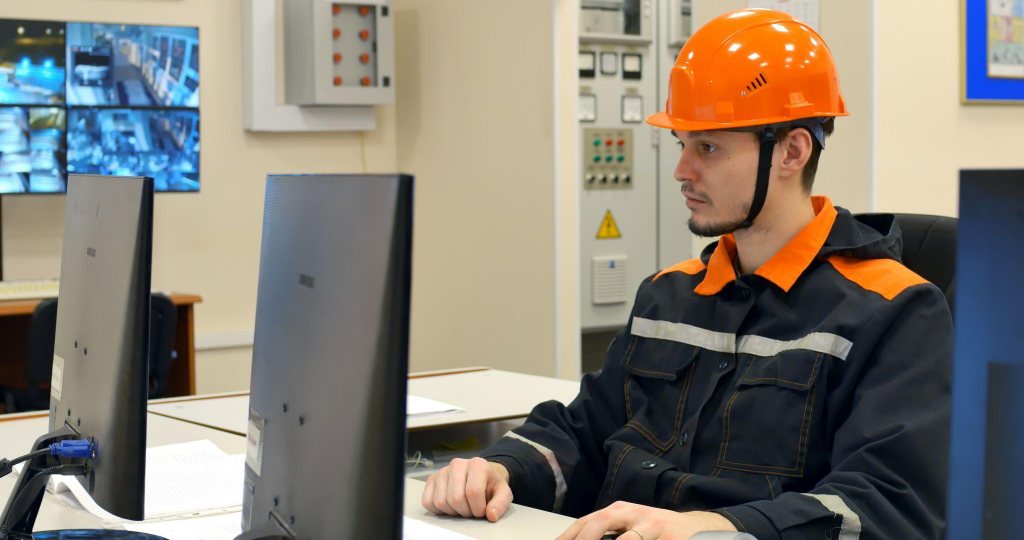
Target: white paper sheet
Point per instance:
(184, 479)
(417, 530)
(420, 406)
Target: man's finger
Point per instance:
(441, 493)
(457, 487)
(501, 499)
(427, 499)
(476, 486)
(575, 528)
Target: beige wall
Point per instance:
(207, 243)
(925, 135)
(475, 125)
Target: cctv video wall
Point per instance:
(97, 98)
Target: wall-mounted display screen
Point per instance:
(31, 62)
(101, 98)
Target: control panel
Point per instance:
(608, 158)
(338, 52)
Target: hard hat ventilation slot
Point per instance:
(756, 84)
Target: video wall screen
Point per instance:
(99, 98)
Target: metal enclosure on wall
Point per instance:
(632, 218)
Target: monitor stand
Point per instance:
(21, 512)
(272, 529)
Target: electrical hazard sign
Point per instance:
(608, 228)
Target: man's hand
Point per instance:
(638, 522)
(469, 488)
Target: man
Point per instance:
(792, 382)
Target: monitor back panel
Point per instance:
(327, 408)
(100, 367)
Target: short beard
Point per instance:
(710, 230)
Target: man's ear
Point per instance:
(795, 150)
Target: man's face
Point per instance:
(717, 170)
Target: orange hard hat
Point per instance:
(751, 67)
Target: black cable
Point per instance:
(32, 485)
(7, 465)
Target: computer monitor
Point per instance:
(987, 446)
(100, 367)
(325, 456)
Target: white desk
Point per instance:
(518, 523)
(486, 395)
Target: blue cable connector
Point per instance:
(72, 449)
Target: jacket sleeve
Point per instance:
(556, 459)
(890, 454)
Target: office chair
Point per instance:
(163, 324)
(929, 248)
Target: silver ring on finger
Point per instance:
(638, 533)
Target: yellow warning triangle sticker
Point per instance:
(608, 227)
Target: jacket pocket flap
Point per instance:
(659, 358)
(791, 369)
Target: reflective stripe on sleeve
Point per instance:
(552, 462)
(850, 528)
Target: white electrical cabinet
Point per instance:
(675, 242)
(618, 182)
(633, 216)
(339, 53)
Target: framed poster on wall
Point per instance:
(993, 51)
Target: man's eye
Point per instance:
(708, 148)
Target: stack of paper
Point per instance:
(420, 406)
(182, 480)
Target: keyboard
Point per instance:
(28, 289)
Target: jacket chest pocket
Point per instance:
(657, 381)
(767, 420)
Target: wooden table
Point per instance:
(16, 318)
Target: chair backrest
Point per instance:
(929, 249)
(163, 328)
(40, 344)
(39, 366)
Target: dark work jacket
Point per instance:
(807, 400)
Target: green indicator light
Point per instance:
(608, 159)
(597, 159)
(597, 142)
(622, 158)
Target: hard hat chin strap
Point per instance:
(764, 167)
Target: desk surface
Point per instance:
(518, 523)
(486, 395)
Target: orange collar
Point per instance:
(786, 266)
